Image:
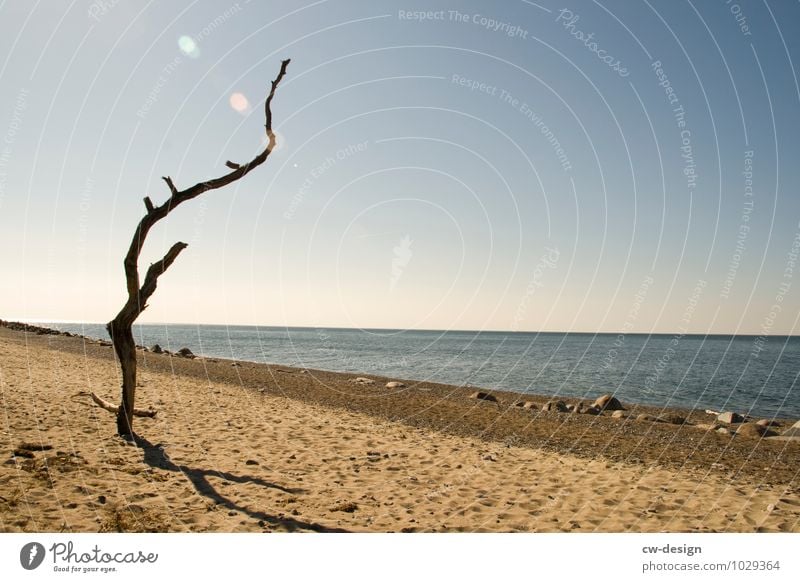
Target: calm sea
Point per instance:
(718, 372)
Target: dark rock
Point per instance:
(251, 462)
(593, 410)
(483, 396)
(345, 506)
(186, 353)
(156, 349)
(555, 406)
(608, 402)
(672, 419)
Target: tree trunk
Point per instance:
(125, 348)
(120, 328)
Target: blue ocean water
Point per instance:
(743, 373)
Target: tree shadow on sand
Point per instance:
(156, 457)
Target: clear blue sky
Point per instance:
(503, 165)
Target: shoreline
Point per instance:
(382, 371)
(670, 438)
(247, 447)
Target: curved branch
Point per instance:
(106, 405)
(178, 197)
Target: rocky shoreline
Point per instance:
(758, 450)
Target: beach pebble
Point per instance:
(346, 506)
(555, 406)
(769, 423)
(618, 414)
(251, 462)
(593, 410)
(483, 396)
(705, 426)
(530, 404)
(751, 429)
(156, 349)
(730, 418)
(361, 380)
(395, 385)
(673, 419)
(793, 431)
(723, 430)
(608, 402)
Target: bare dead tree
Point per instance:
(120, 328)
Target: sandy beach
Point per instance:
(242, 447)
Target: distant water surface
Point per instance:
(717, 372)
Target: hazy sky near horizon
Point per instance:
(577, 166)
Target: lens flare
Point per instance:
(239, 103)
(188, 47)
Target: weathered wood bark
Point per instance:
(120, 328)
(106, 405)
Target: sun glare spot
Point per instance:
(188, 46)
(239, 103)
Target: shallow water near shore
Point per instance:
(744, 373)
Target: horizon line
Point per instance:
(35, 321)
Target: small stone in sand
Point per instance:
(793, 431)
(346, 506)
(483, 396)
(555, 406)
(156, 349)
(395, 385)
(592, 410)
(363, 381)
(768, 422)
(251, 462)
(750, 429)
(730, 418)
(705, 426)
(647, 418)
(618, 414)
(672, 419)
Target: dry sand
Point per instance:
(227, 452)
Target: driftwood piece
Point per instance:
(106, 405)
